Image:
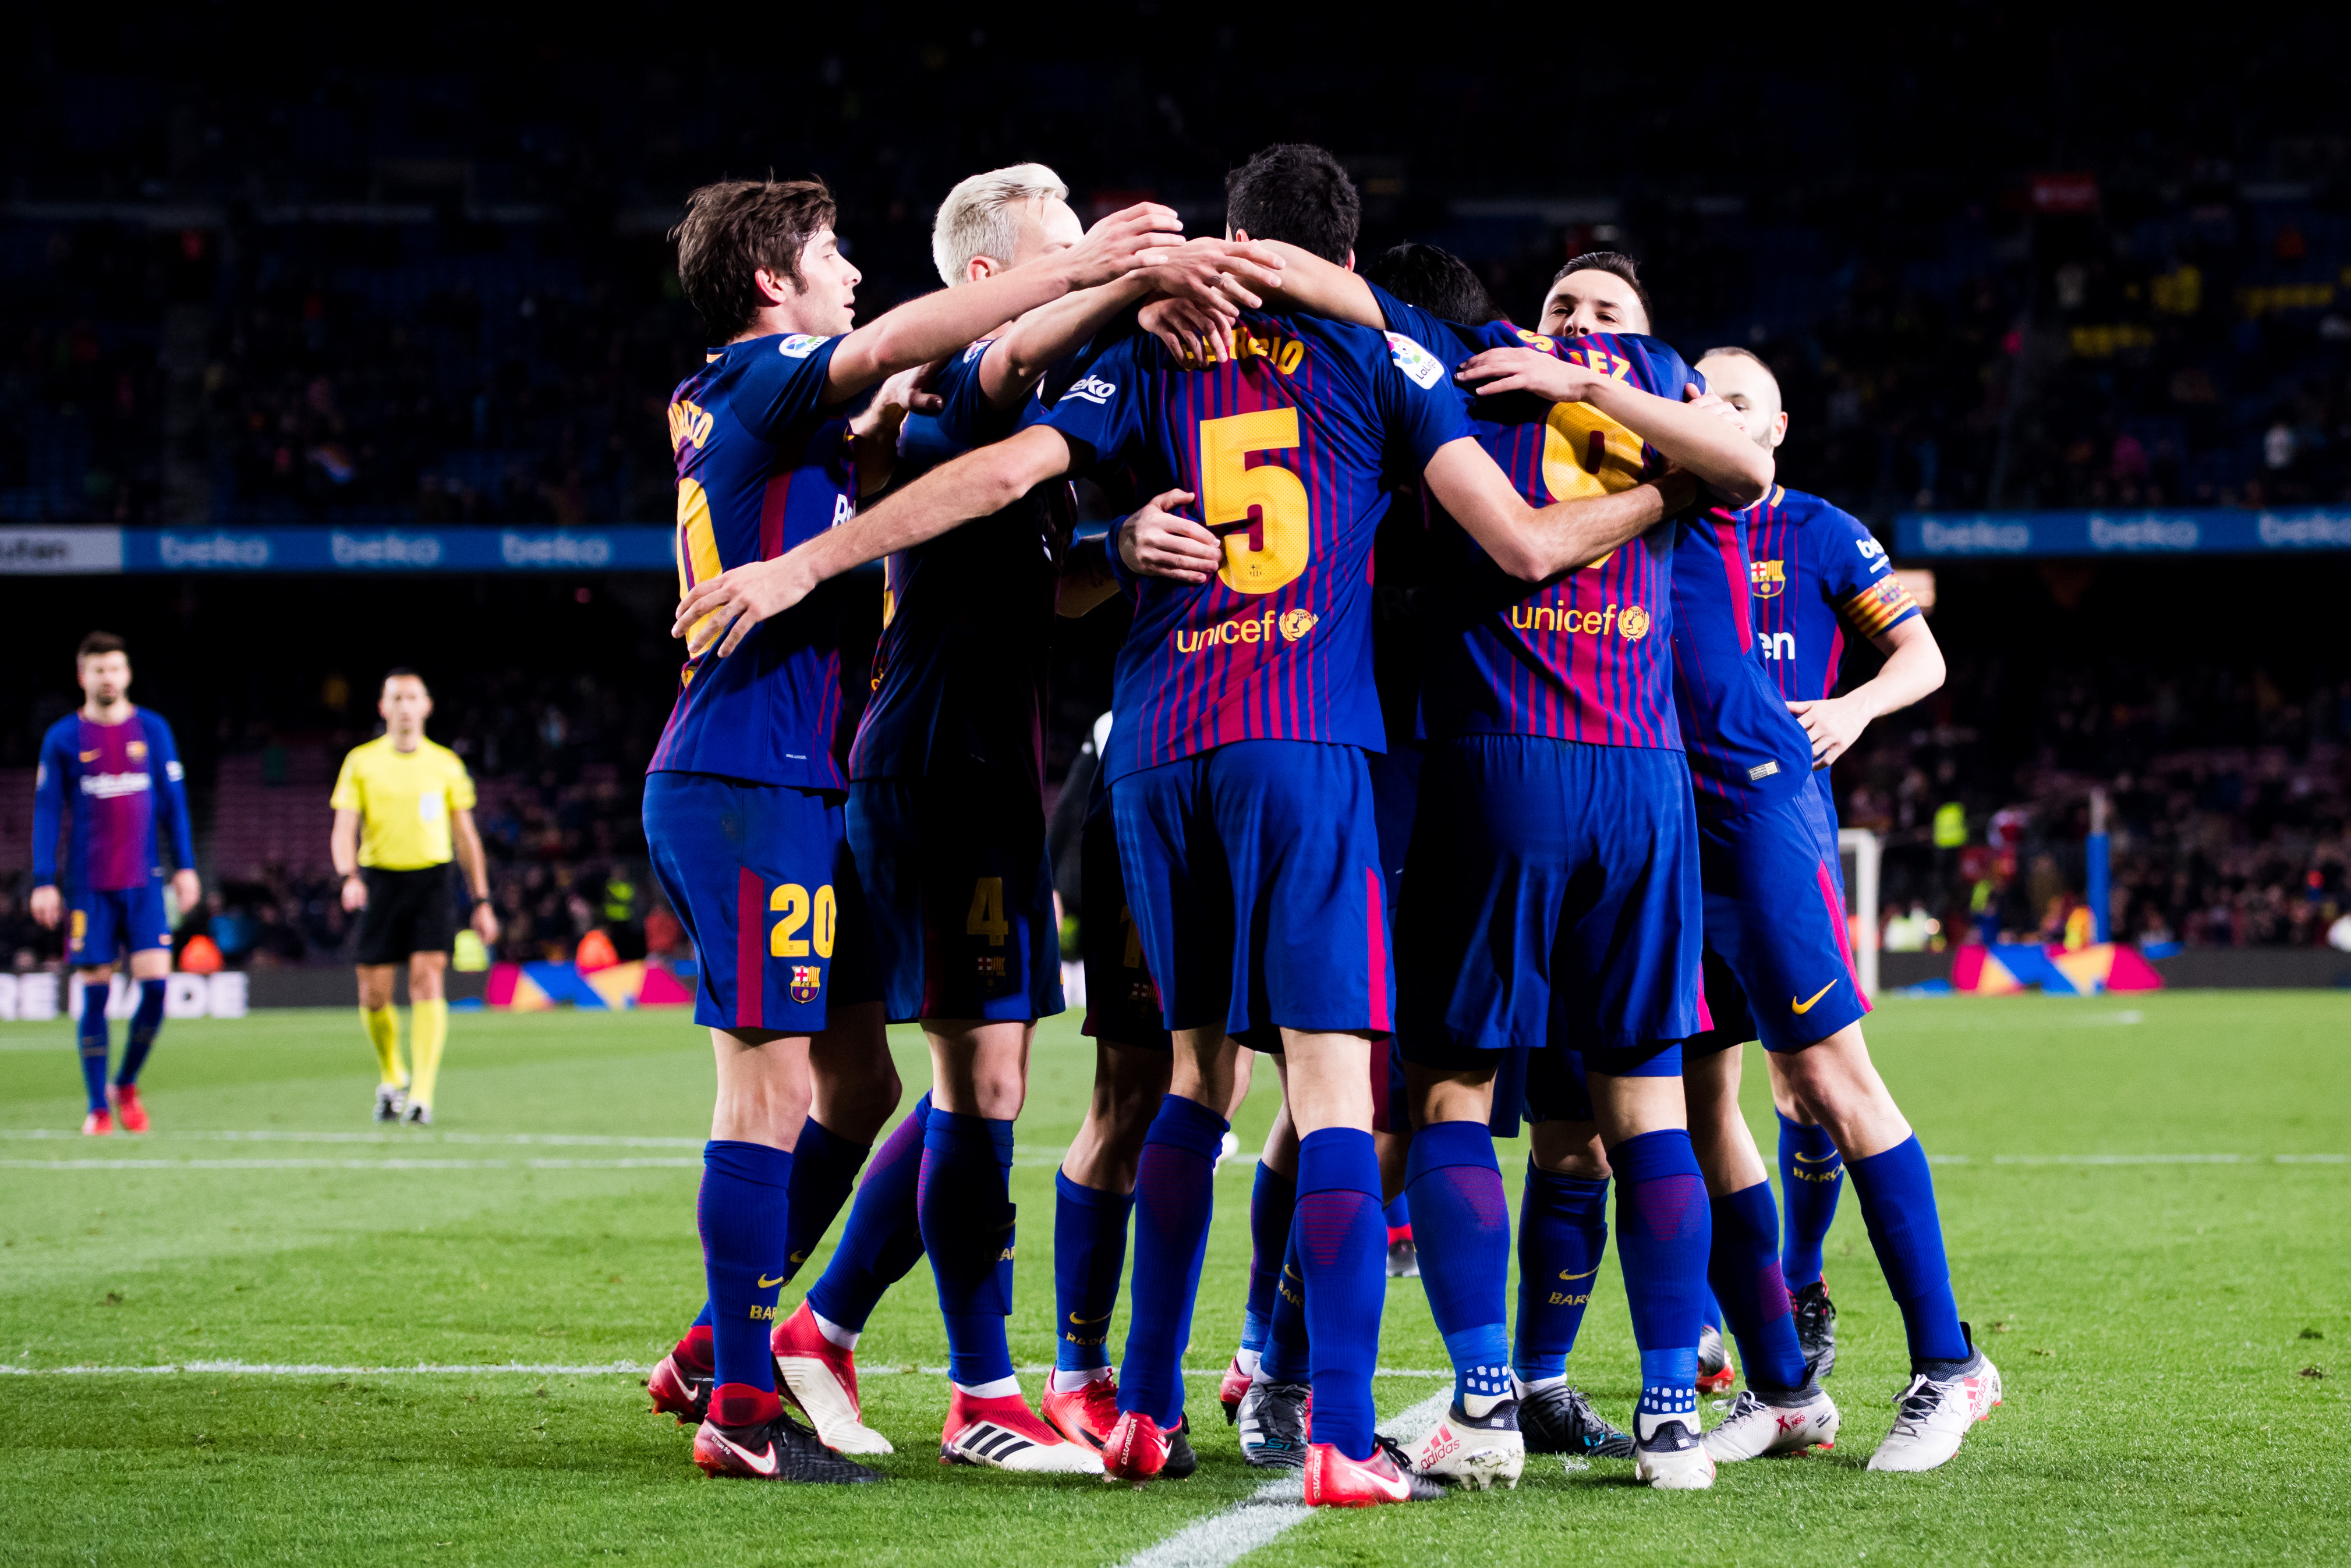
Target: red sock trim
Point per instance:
(741, 1404)
(694, 1352)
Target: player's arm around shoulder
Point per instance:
(937, 325)
(1537, 544)
(1693, 434)
(976, 485)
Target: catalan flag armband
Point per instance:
(1878, 607)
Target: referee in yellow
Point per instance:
(402, 804)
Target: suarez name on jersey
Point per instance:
(762, 466)
(114, 789)
(1290, 447)
(1584, 657)
(968, 618)
(1746, 749)
(1816, 571)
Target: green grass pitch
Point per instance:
(2173, 1334)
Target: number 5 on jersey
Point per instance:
(1261, 511)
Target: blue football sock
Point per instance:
(1456, 1186)
(1089, 1255)
(1343, 1252)
(1562, 1236)
(1896, 1192)
(883, 1238)
(1286, 1359)
(144, 1025)
(742, 1214)
(1745, 1268)
(1810, 1176)
(94, 1044)
(965, 1205)
(824, 1167)
(1175, 1197)
(1663, 1233)
(1272, 1202)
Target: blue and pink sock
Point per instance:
(1812, 1175)
(743, 1216)
(1563, 1236)
(882, 1240)
(1089, 1255)
(1744, 1268)
(1273, 1202)
(1455, 1187)
(1343, 1254)
(1663, 1236)
(963, 1201)
(1175, 1198)
(93, 1036)
(144, 1025)
(1896, 1193)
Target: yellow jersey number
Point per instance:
(818, 915)
(697, 547)
(1261, 511)
(1587, 453)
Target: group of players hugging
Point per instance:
(1563, 877)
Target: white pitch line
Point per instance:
(1272, 1510)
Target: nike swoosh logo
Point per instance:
(1585, 1275)
(1088, 1322)
(1803, 1007)
(766, 1283)
(761, 1464)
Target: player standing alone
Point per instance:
(99, 768)
(402, 805)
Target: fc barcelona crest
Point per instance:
(1767, 578)
(807, 977)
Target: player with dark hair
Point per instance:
(743, 799)
(1553, 908)
(946, 819)
(1776, 926)
(1244, 709)
(109, 779)
(403, 808)
(1437, 281)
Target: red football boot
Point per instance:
(97, 1123)
(678, 1390)
(1136, 1448)
(1233, 1389)
(1082, 1415)
(1004, 1434)
(128, 1114)
(821, 1377)
(1334, 1480)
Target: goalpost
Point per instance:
(1858, 849)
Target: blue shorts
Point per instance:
(1254, 874)
(763, 881)
(1121, 1004)
(961, 891)
(1552, 903)
(1775, 928)
(105, 923)
(1395, 796)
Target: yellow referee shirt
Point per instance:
(404, 799)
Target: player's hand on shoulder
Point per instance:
(722, 611)
(1195, 334)
(48, 907)
(1216, 276)
(1498, 370)
(1713, 404)
(1117, 245)
(1156, 543)
(1834, 724)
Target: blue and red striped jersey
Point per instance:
(967, 618)
(1817, 571)
(1746, 749)
(1583, 657)
(762, 466)
(1292, 449)
(113, 789)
